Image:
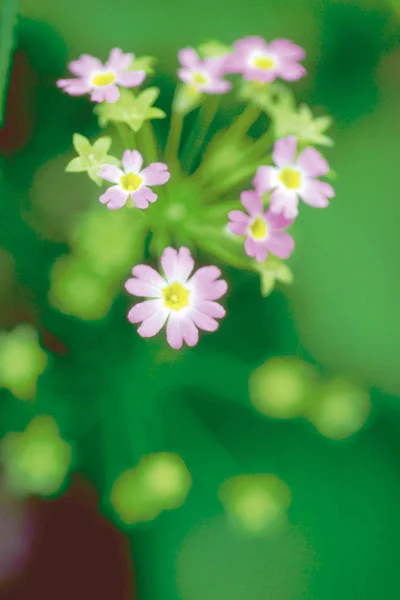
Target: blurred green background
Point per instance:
(117, 397)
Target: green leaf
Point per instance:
(81, 144)
(101, 146)
(155, 113)
(148, 97)
(76, 165)
(8, 19)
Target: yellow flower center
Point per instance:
(131, 182)
(176, 296)
(290, 178)
(199, 79)
(264, 62)
(103, 79)
(258, 228)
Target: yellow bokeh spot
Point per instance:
(290, 178)
(264, 62)
(176, 296)
(255, 503)
(258, 228)
(283, 387)
(131, 182)
(22, 360)
(103, 79)
(340, 409)
(158, 482)
(199, 79)
(76, 290)
(37, 460)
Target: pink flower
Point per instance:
(100, 80)
(293, 178)
(264, 230)
(259, 61)
(132, 181)
(185, 302)
(203, 76)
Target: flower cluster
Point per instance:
(196, 209)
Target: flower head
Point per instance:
(264, 230)
(186, 303)
(259, 61)
(203, 75)
(101, 81)
(132, 181)
(91, 157)
(292, 178)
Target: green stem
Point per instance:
(199, 131)
(262, 145)
(174, 138)
(230, 183)
(242, 123)
(125, 135)
(147, 142)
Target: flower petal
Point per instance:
(190, 332)
(291, 71)
(143, 310)
(110, 173)
(142, 197)
(188, 57)
(169, 263)
(110, 94)
(204, 321)
(284, 203)
(174, 332)
(285, 151)
(238, 228)
(252, 202)
(152, 325)
(138, 287)
(114, 197)
(238, 216)
(254, 249)
(212, 309)
(287, 49)
(74, 87)
(148, 275)
(266, 178)
(312, 162)
(251, 43)
(118, 60)
(277, 220)
(84, 65)
(205, 284)
(132, 161)
(131, 78)
(156, 174)
(280, 244)
(185, 264)
(316, 193)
